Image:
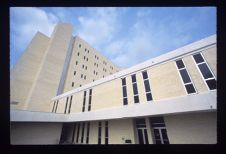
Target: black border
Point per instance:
(4, 75)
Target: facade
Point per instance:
(170, 99)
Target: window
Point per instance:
(80, 85)
(66, 106)
(76, 62)
(72, 84)
(74, 72)
(87, 132)
(97, 65)
(103, 76)
(90, 99)
(96, 73)
(85, 49)
(73, 133)
(83, 128)
(79, 45)
(84, 77)
(205, 71)
(84, 101)
(69, 110)
(185, 77)
(99, 133)
(135, 90)
(86, 68)
(78, 129)
(94, 64)
(78, 53)
(159, 130)
(81, 75)
(56, 106)
(124, 91)
(86, 59)
(147, 86)
(88, 51)
(106, 132)
(141, 131)
(82, 66)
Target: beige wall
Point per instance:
(49, 75)
(35, 133)
(199, 128)
(23, 74)
(210, 56)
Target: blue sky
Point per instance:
(125, 35)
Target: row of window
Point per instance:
(84, 101)
(67, 109)
(85, 48)
(188, 84)
(76, 134)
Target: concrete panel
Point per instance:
(23, 74)
(199, 128)
(165, 81)
(35, 133)
(93, 139)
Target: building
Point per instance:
(170, 99)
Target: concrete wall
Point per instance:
(23, 74)
(35, 133)
(199, 128)
(90, 55)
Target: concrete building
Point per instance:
(170, 99)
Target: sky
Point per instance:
(125, 35)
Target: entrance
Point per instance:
(141, 131)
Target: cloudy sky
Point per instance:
(125, 35)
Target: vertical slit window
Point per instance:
(185, 77)
(69, 110)
(106, 132)
(90, 99)
(87, 133)
(83, 128)
(78, 129)
(125, 99)
(84, 101)
(135, 90)
(147, 86)
(66, 106)
(205, 71)
(73, 134)
(99, 133)
(56, 106)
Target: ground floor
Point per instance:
(189, 128)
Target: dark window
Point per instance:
(85, 49)
(180, 64)
(156, 120)
(82, 66)
(84, 77)
(84, 101)
(124, 91)
(149, 96)
(73, 133)
(69, 110)
(78, 133)
(83, 127)
(134, 78)
(90, 99)
(184, 75)
(140, 121)
(147, 86)
(135, 91)
(205, 71)
(78, 53)
(74, 72)
(124, 81)
(87, 133)
(140, 136)
(88, 51)
(86, 59)
(146, 136)
(198, 58)
(145, 75)
(86, 67)
(76, 62)
(72, 84)
(79, 45)
(125, 101)
(106, 132)
(54, 106)
(211, 84)
(136, 99)
(66, 106)
(99, 133)
(80, 85)
(81, 75)
(190, 88)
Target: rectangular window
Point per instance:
(69, 110)
(135, 90)
(106, 132)
(185, 77)
(56, 106)
(72, 84)
(73, 133)
(90, 99)
(74, 72)
(159, 130)
(84, 101)
(78, 129)
(87, 133)
(99, 133)
(66, 106)
(83, 129)
(205, 71)
(147, 86)
(124, 91)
